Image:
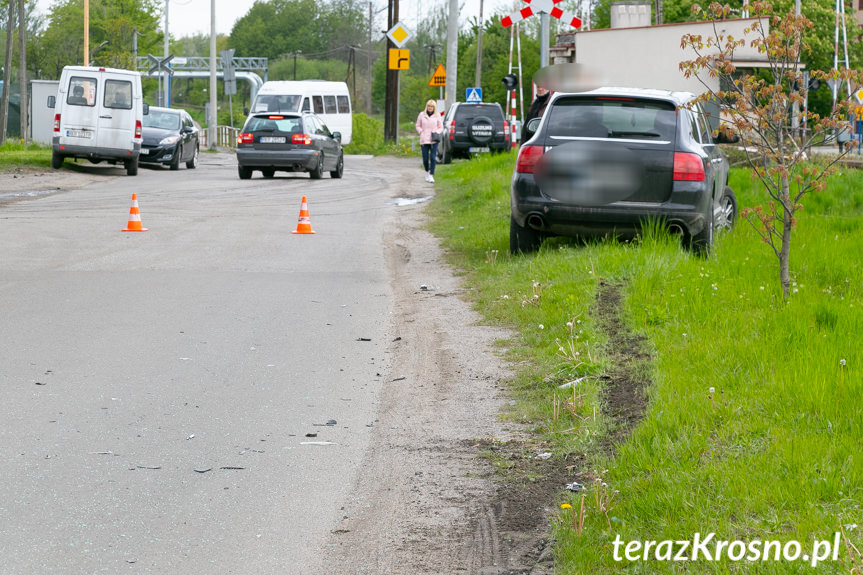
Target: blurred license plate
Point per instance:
(145, 151)
(78, 134)
(477, 150)
(272, 140)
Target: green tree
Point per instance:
(761, 108)
(111, 26)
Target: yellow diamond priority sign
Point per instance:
(399, 35)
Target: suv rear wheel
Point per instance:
(523, 239)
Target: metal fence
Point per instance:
(226, 137)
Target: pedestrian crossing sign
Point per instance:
(473, 95)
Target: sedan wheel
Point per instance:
(193, 163)
(245, 173)
(340, 167)
(318, 172)
(175, 162)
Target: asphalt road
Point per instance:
(161, 389)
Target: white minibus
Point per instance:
(331, 101)
(98, 116)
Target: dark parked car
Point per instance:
(470, 128)
(604, 162)
(170, 136)
(288, 142)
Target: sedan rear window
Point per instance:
(612, 117)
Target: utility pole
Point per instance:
(478, 76)
(391, 118)
(369, 60)
(86, 32)
(166, 99)
(452, 53)
(213, 119)
(22, 68)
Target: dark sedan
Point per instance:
(170, 137)
(289, 143)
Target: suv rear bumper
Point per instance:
(686, 209)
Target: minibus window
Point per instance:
(319, 104)
(344, 105)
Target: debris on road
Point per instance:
(202, 469)
(318, 443)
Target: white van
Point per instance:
(98, 116)
(331, 101)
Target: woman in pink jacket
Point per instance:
(428, 123)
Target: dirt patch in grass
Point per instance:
(624, 395)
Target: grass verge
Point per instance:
(16, 155)
(753, 407)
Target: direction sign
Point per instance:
(399, 35)
(473, 95)
(399, 59)
(438, 79)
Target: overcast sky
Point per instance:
(188, 17)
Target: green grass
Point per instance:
(18, 155)
(774, 452)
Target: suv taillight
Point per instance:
(506, 129)
(246, 138)
(451, 129)
(138, 128)
(528, 156)
(688, 167)
(56, 122)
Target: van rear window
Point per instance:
(118, 94)
(82, 91)
(344, 105)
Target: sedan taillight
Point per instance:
(246, 138)
(57, 122)
(688, 167)
(301, 139)
(528, 156)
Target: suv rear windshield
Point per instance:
(613, 117)
(471, 111)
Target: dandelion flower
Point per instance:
(711, 391)
(842, 362)
(566, 506)
(541, 326)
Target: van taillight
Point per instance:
(528, 156)
(137, 128)
(688, 167)
(246, 139)
(56, 122)
(301, 139)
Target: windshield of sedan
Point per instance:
(613, 118)
(274, 124)
(163, 120)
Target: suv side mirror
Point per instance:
(725, 135)
(531, 127)
(52, 101)
(337, 136)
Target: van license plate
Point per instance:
(79, 134)
(272, 140)
(477, 150)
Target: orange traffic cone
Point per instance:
(304, 226)
(134, 223)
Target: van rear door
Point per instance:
(82, 118)
(117, 116)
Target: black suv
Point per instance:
(473, 128)
(604, 162)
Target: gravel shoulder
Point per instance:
(425, 501)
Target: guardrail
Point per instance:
(226, 137)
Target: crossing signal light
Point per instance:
(510, 81)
